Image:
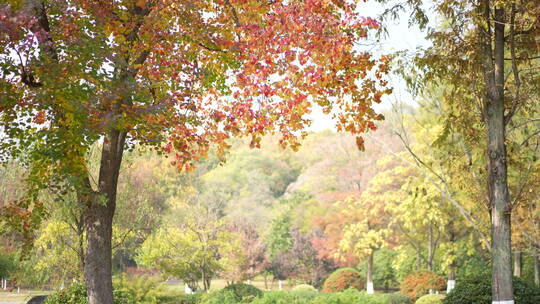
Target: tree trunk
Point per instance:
(369, 286)
(493, 68)
(418, 259)
(518, 263)
(451, 284)
(99, 215)
(452, 237)
(537, 269)
(97, 268)
(431, 249)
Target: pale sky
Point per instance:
(400, 37)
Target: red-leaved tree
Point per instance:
(178, 76)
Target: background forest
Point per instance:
(407, 204)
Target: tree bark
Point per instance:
(518, 263)
(418, 259)
(431, 249)
(99, 215)
(493, 66)
(537, 269)
(451, 283)
(369, 286)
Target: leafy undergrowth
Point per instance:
(350, 296)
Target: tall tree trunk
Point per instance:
(418, 259)
(537, 269)
(99, 215)
(451, 284)
(518, 263)
(431, 249)
(369, 286)
(493, 66)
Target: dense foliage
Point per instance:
(343, 279)
(477, 289)
(420, 283)
(430, 299)
(350, 296)
(76, 294)
(304, 287)
(127, 136)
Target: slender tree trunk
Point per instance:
(518, 263)
(369, 286)
(493, 66)
(537, 269)
(431, 249)
(418, 259)
(452, 236)
(99, 215)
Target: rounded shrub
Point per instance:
(243, 292)
(76, 294)
(430, 299)
(419, 283)
(304, 287)
(477, 289)
(342, 279)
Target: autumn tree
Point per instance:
(193, 244)
(177, 76)
(487, 51)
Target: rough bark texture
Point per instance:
(99, 215)
(493, 66)
(518, 263)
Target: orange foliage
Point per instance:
(343, 279)
(419, 283)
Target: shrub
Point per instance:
(393, 298)
(419, 283)
(353, 296)
(430, 299)
(145, 289)
(304, 287)
(342, 279)
(232, 294)
(477, 289)
(219, 297)
(244, 291)
(350, 296)
(76, 294)
(286, 297)
(186, 299)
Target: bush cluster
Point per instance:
(234, 293)
(342, 279)
(304, 287)
(477, 289)
(430, 299)
(76, 294)
(419, 283)
(350, 296)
